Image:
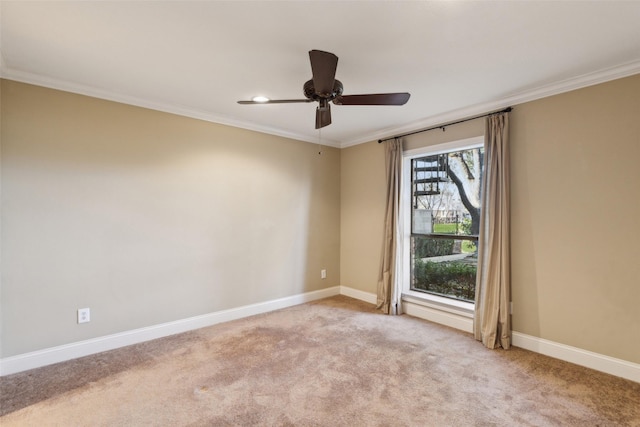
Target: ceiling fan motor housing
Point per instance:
(310, 91)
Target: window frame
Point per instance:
(409, 295)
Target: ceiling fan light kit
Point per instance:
(260, 99)
(324, 88)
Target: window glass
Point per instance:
(445, 222)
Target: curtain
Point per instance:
(492, 320)
(389, 291)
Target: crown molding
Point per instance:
(180, 110)
(567, 85)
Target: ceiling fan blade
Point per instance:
(323, 68)
(275, 101)
(400, 98)
(323, 117)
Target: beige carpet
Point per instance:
(334, 362)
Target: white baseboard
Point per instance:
(599, 362)
(48, 356)
(36, 359)
(358, 294)
(461, 322)
(589, 359)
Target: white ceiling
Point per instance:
(198, 58)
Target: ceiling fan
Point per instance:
(324, 88)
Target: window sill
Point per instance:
(449, 305)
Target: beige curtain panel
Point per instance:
(388, 292)
(492, 320)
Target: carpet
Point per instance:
(332, 362)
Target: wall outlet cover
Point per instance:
(84, 315)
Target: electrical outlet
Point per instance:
(84, 315)
(323, 274)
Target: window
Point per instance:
(442, 190)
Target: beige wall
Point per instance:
(148, 217)
(576, 218)
(362, 215)
(575, 207)
(1, 322)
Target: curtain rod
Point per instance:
(506, 110)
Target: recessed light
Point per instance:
(260, 99)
